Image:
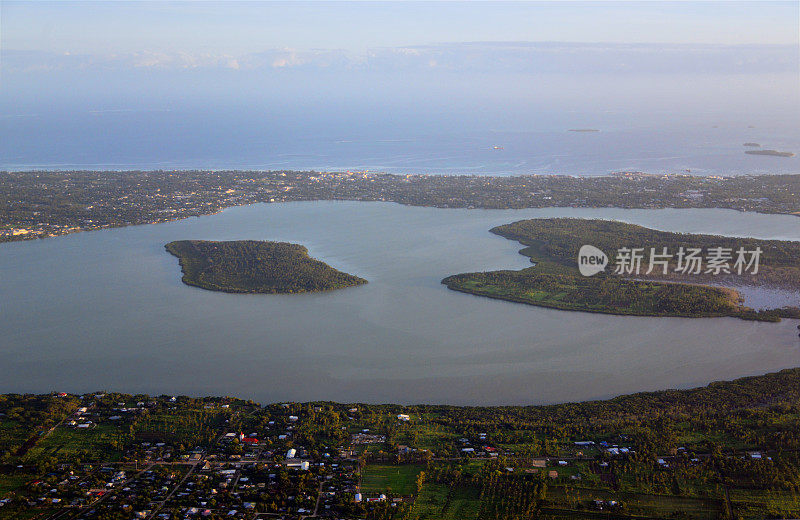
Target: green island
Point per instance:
(555, 281)
(729, 450)
(251, 266)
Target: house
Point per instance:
(403, 417)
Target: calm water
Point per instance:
(106, 310)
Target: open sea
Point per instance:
(122, 139)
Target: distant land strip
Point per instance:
(40, 204)
(774, 153)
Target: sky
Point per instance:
(236, 28)
(648, 36)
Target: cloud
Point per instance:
(287, 59)
(527, 57)
(477, 57)
(181, 60)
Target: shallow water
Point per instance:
(107, 310)
(767, 297)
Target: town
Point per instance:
(729, 450)
(39, 204)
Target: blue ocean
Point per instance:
(492, 127)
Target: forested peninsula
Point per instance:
(251, 266)
(555, 281)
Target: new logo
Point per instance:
(591, 260)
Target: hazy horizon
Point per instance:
(265, 85)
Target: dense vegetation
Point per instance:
(249, 266)
(559, 239)
(554, 280)
(604, 294)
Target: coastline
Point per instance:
(466, 192)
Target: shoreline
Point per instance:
(91, 200)
(25, 238)
(692, 387)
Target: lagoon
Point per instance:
(106, 310)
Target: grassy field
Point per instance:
(750, 503)
(31, 514)
(97, 443)
(432, 437)
(439, 502)
(9, 483)
(639, 503)
(400, 480)
(432, 503)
